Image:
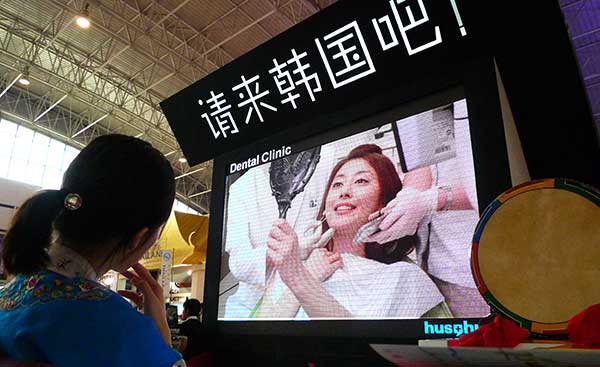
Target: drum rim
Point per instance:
(573, 186)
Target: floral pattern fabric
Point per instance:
(47, 286)
(73, 321)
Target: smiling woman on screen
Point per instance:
(347, 279)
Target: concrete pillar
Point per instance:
(198, 282)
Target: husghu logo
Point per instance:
(457, 329)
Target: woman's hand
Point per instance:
(151, 300)
(283, 249)
(322, 263)
(285, 253)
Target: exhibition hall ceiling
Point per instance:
(111, 76)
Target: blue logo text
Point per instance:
(449, 329)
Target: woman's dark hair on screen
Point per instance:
(390, 185)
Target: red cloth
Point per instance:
(501, 332)
(200, 360)
(584, 328)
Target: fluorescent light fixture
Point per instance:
(170, 153)
(10, 85)
(90, 125)
(50, 108)
(190, 173)
(182, 160)
(199, 193)
(139, 135)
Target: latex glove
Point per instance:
(322, 263)
(313, 237)
(403, 214)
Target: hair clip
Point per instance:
(72, 201)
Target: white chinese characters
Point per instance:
(252, 98)
(346, 59)
(221, 114)
(405, 27)
(345, 55)
(285, 82)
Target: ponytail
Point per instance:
(28, 237)
(119, 185)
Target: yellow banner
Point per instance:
(186, 235)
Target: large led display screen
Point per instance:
(371, 226)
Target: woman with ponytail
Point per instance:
(115, 198)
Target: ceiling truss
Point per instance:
(102, 95)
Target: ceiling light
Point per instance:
(24, 78)
(189, 272)
(182, 160)
(83, 19)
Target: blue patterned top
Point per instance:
(48, 317)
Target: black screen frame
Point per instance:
(475, 81)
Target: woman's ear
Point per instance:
(136, 246)
(138, 239)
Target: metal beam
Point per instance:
(200, 193)
(190, 173)
(50, 108)
(10, 85)
(587, 33)
(62, 62)
(171, 13)
(89, 126)
(180, 35)
(19, 105)
(240, 31)
(133, 32)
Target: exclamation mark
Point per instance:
(463, 31)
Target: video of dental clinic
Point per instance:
(372, 226)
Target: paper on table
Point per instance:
(443, 343)
(412, 355)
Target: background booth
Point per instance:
(178, 258)
(506, 70)
(12, 195)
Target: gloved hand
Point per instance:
(403, 214)
(313, 237)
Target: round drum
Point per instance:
(536, 253)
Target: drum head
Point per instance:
(536, 253)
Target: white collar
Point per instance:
(192, 318)
(69, 263)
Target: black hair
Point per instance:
(125, 185)
(193, 306)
